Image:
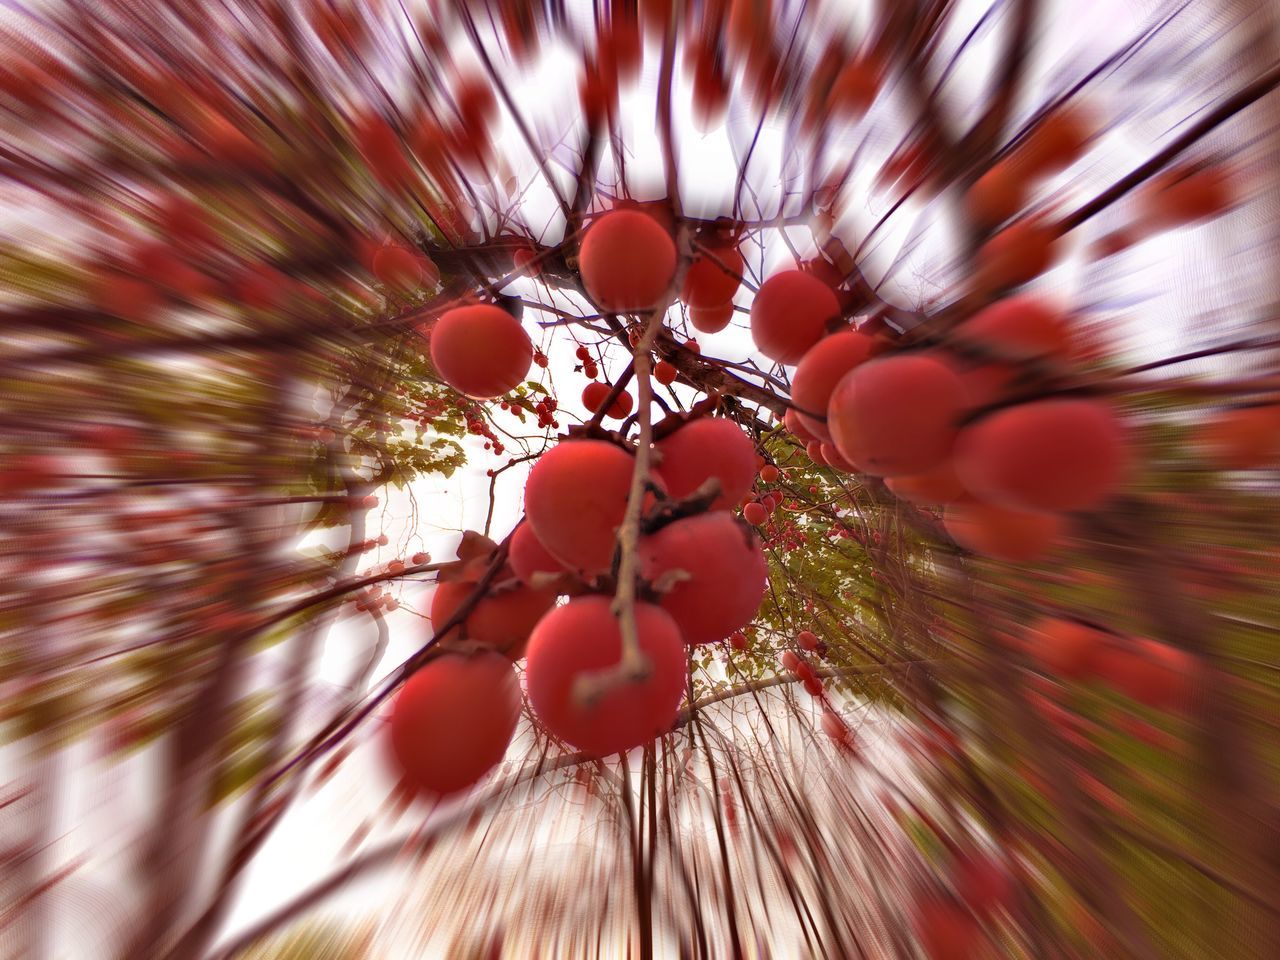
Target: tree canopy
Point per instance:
(883, 395)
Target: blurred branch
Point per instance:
(1248, 95)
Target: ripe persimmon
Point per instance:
(528, 557)
(627, 261)
(933, 487)
(1016, 536)
(713, 277)
(502, 619)
(1057, 454)
(595, 394)
(1068, 649)
(704, 448)
(791, 420)
(1152, 673)
(1055, 143)
(1018, 328)
(665, 373)
(897, 415)
(1016, 255)
(583, 638)
(996, 195)
(452, 721)
(711, 319)
(1240, 438)
(817, 374)
(790, 313)
(399, 268)
(723, 574)
(575, 499)
(481, 350)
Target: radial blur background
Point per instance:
(227, 464)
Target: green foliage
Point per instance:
(314, 941)
(829, 575)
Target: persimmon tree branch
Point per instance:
(634, 664)
(981, 140)
(1248, 95)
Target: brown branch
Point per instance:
(982, 138)
(634, 664)
(665, 134)
(824, 673)
(1247, 96)
(401, 848)
(421, 841)
(538, 154)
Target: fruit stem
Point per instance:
(633, 665)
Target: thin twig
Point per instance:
(634, 664)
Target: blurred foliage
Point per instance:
(314, 941)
